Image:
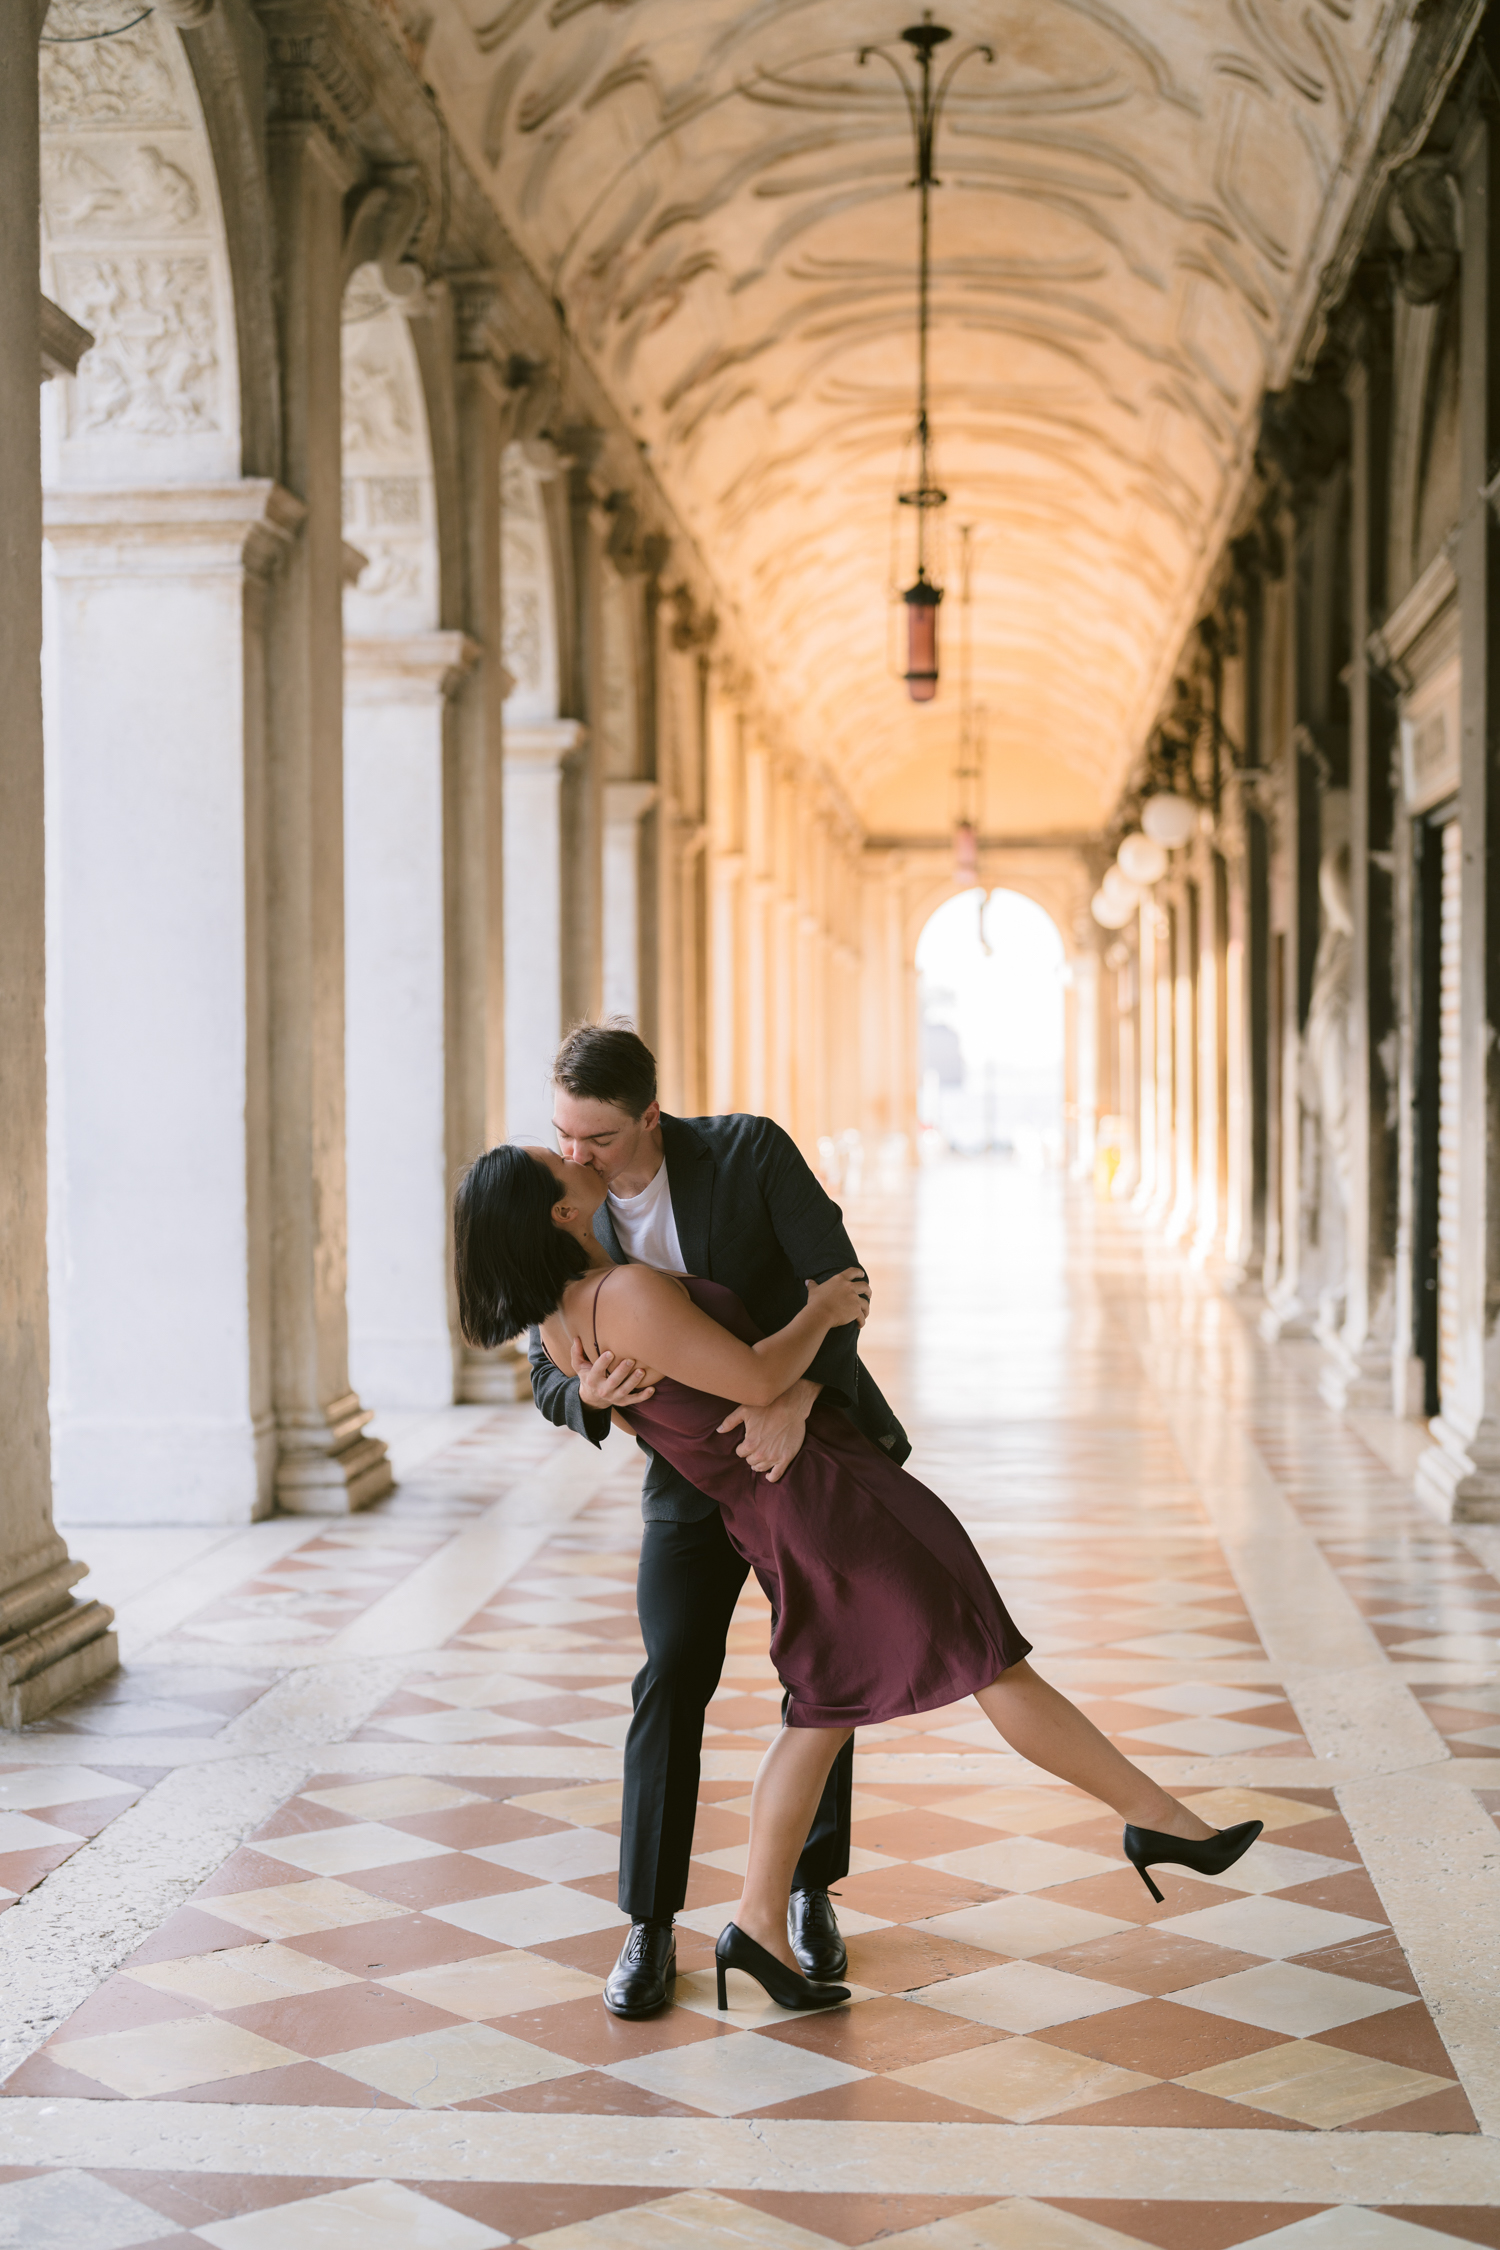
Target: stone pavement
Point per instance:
(328, 1971)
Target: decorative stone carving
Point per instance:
(99, 80)
(154, 369)
(1423, 216)
(105, 187)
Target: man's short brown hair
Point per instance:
(607, 1062)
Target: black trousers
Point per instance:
(687, 1585)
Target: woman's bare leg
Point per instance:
(785, 1797)
(1054, 1734)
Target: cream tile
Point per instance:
(1023, 1996)
(558, 1858)
(709, 1920)
(538, 1916)
(452, 1726)
(1214, 1738)
(749, 2009)
(1313, 2085)
(593, 1805)
(1348, 2228)
(241, 1975)
(460, 2063)
(1020, 1811)
(496, 1984)
(344, 1851)
(161, 2058)
(1023, 1863)
(1021, 2079)
(1225, 1807)
(739, 2072)
(1269, 1866)
(1022, 1926)
(1199, 1699)
(297, 1909)
(395, 1799)
(19, 1832)
(608, 1733)
(478, 1690)
(1016, 2225)
(1186, 1648)
(1280, 1996)
(37, 1787)
(1272, 1926)
(377, 2215)
(681, 2222)
(71, 2209)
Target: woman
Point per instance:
(882, 1605)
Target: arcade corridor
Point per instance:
(376, 2020)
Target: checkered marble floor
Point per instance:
(381, 2004)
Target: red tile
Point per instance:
(39, 2074)
(921, 1835)
(1403, 2035)
(298, 1818)
(586, 2032)
(345, 2017)
(1340, 1894)
(193, 2200)
(120, 2004)
(1466, 2220)
(886, 2034)
(1190, 2226)
(522, 2211)
(1160, 2039)
(910, 1894)
(857, 2219)
(1434, 2113)
(1172, 2105)
(389, 1948)
(307, 2085)
(1149, 1961)
(901, 1960)
(877, 2100)
(1376, 1959)
(1126, 1897)
(248, 1870)
(592, 2093)
(422, 1883)
(464, 1828)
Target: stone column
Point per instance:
(1147, 1129)
(536, 759)
(1460, 1473)
(327, 1464)
(50, 1644)
(626, 804)
(162, 1408)
(1360, 1373)
(403, 1343)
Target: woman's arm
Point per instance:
(650, 1317)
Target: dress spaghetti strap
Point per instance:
(594, 1308)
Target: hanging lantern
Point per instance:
(1169, 819)
(1142, 860)
(921, 674)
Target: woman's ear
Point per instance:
(564, 1213)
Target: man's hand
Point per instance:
(604, 1385)
(774, 1433)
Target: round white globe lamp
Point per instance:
(1109, 913)
(1169, 820)
(1142, 860)
(1117, 885)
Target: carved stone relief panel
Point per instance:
(530, 633)
(132, 246)
(617, 717)
(388, 492)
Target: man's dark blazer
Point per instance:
(750, 1214)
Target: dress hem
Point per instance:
(823, 1717)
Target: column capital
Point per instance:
(544, 742)
(407, 667)
(626, 802)
(315, 89)
(164, 530)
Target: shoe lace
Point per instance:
(638, 1940)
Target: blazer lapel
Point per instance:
(690, 1183)
(605, 1236)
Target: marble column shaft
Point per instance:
(536, 897)
(50, 1644)
(327, 1464)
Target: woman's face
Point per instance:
(577, 1184)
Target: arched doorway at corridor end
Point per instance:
(991, 971)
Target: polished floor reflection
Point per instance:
(376, 2018)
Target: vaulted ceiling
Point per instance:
(1136, 196)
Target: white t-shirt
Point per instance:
(645, 1227)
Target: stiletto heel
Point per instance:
(1151, 1847)
(787, 1987)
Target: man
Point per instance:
(729, 1199)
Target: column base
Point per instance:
(51, 1645)
(1357, 1377)
(1286, 1320)
(328, 1467)
(498, 1378)
(1452, 1483)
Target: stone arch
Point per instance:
(134, 247)
(1056, 884)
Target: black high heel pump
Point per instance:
(787, 1987)
(1149, 1847)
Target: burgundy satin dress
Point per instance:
(882, 1605)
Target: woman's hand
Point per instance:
(842, 1298)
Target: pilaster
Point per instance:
(536, 762)
(626, 805)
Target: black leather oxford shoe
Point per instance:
(641, 1980)
(814, 1936)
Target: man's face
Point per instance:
(609, 1140)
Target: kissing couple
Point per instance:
(691, 1280)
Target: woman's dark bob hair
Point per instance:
(512, 1263)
